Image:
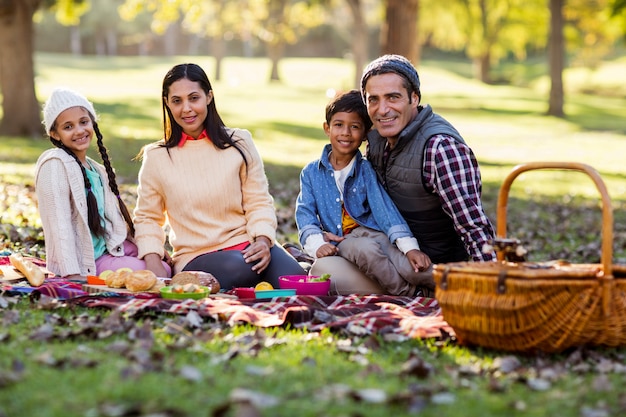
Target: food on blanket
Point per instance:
(141, 280)
(197, 277)
(104, 274)
(184, 291)
(157, 286)
(185, 277)
(305, 285)
(32, 272)
(321, 278)
(187, 288)
(125, 269)
(208, 280)
(116, 279)
(263, 286)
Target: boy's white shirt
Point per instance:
(316, 241)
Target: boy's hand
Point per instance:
(419, 260)
(326, 249)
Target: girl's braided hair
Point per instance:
(94, 220)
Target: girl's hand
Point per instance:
(75, 277)
(258, 253)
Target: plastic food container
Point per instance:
(274, 293)
(303, 284)
(95, 280)
(244, 292)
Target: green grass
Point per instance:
(505, 125)
(94, 362)
(90, 368)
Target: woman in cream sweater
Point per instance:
(207, 182)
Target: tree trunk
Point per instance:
(399, 33)
(111, 40)
(359, 40)
(484, 60)
(217, 49)
(20, 108)
(556, 58)
(276, 45)
(275, 53)
(482, 67)
(76, 45)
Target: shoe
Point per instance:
(295, 251)
(424, 292)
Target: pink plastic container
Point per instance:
(303, 285)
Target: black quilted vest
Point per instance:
(403, 180)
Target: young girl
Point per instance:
(85, 222)
(207, 181)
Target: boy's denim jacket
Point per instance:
(318, 207)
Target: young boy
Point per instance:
(343, 210)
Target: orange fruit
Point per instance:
(263, 286)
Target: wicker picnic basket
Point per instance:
(548, 306)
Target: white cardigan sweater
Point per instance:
(62, 203)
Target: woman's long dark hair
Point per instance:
(213, 124)
(93, 217)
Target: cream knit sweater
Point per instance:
(207, 196)
(62, 206)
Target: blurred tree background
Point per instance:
(561, 33)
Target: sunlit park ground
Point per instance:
(504, 124)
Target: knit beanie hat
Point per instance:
(391, 63)
(60, 100)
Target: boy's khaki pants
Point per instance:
(382, 268)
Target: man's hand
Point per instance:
(330, 237)
(419, 260)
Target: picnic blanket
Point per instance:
(414, 317)
(410, 317)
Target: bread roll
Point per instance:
(185, 277)
(32, 272)
(197, 277)
(116, 279)
(157, 286)
(141, 280)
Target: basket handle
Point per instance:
(607, 210)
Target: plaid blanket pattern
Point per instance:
(412, 317)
